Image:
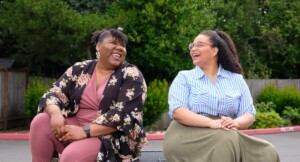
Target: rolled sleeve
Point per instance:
(246, 102)
(178, 93)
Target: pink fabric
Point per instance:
(43, 143)
(90, 101)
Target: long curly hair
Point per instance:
(227, 54)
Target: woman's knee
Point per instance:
(227, 135)
(41, 119)
(85, 150)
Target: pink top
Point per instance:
(90, 101)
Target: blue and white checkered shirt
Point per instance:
(228, 96)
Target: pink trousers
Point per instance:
(43, 143)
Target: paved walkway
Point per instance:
(15, 147)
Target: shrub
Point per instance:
(267, 119)
(35, 89)
(291, 115)
(289, 96)
(265, 107)
(157, 101)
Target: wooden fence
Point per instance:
(255, 85)
(13, 84)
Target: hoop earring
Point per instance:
(97, 55)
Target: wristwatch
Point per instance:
(87, 131)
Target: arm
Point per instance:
(72, 82)
(244, 121)
(189, 118)
(74, 132)
(246, 111)
(178, 99)
(122, 112)
(57, 120)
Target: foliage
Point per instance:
(156, 103)
(266, 34)
(35, 89)
(48, 33)
(88, 6)
(288, 96)
(292, 115)
(159, 32)
(265, 107)
(281, 28)
(40, 33)
(268, 119)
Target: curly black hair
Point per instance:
(227, 54)
(100, 35)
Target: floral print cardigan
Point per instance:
(121, 107)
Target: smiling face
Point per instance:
(112, 52)
(202, 52)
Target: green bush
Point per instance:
(289, 96)
(265, 107)
(35, 89)
(157, 101)
(291, 115)
(267, 119)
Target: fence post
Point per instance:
(5, 97)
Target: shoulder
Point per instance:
(188, 74)
(130, 71)
(230, 75)
(78, 67)
(85, 63)
(237, 79)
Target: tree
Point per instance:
(281, 30)
(159, 33)
(49, 33)
(266, 34)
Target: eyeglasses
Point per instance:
(197, 45)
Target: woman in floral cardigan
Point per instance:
(93, 112)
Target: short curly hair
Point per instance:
(100, 35)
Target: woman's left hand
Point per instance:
(73, 133)
(228, 123)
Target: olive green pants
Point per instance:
(192, 144)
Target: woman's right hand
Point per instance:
(57, 121)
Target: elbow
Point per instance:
(177, 115)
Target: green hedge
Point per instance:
(37, 86)
(291, 115)
(288, 96)
(157, 101)
(266, 117)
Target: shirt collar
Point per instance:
(198, 73)
(222, 72)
